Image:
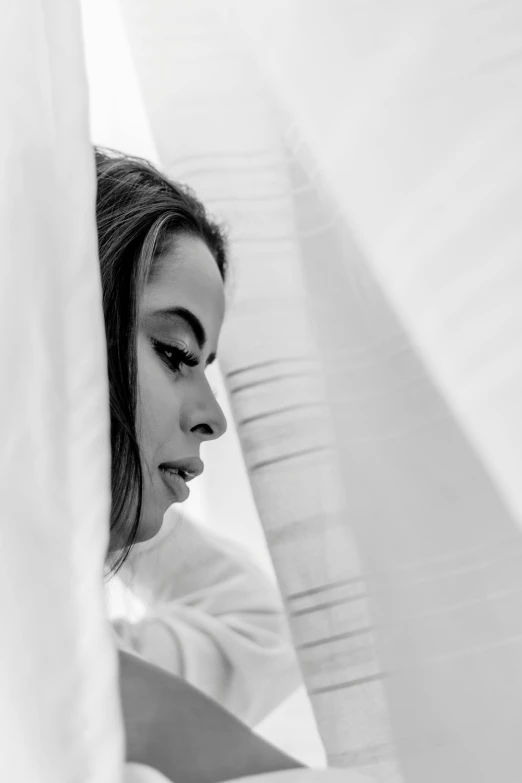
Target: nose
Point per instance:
(204, 416)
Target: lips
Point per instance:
(175, 484)
(178, 473)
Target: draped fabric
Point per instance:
(59, 710)
(140, 773)
(60, 716)
(365, 157)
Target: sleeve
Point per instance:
(211, 616)
(140, 773)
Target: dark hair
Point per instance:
(138, 211)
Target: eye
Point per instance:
(175, 357)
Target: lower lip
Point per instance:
(177, 486)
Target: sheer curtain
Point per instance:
(59, 709)
(366, 158)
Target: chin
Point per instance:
(150, 524)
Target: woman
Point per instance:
(163, 265)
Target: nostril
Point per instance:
(203, 429)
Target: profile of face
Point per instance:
(179, 320)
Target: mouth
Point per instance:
(177, 474)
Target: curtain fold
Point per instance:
(59, 707)
(412, 116)
(365, 158)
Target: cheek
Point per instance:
(158, 405)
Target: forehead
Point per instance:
(188, 276)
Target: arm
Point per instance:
(211, 617)
(174, 728)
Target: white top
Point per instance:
(195, 604)
(138, 773)
(141, 773)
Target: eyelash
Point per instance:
(179, 356)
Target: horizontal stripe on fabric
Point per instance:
(324, 588)
(336, 638)
(268, 363)
(272, 379)
(329, 604)
(349, 684)
(290, 455)
(278, 411)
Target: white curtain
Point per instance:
(59, 709)
(366, 157)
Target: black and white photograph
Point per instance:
(261, 396)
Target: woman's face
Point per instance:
(180, 317)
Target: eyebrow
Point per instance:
(192, 322)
